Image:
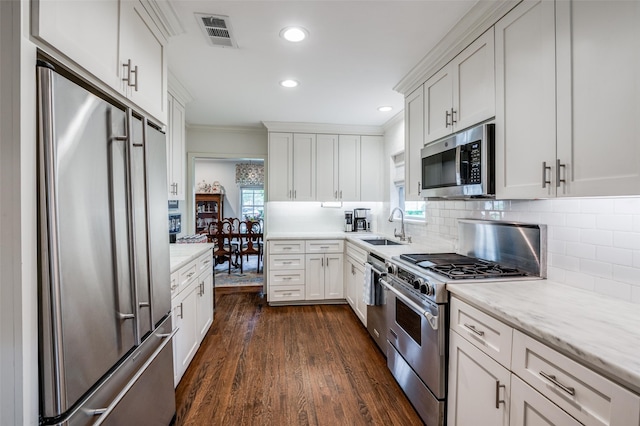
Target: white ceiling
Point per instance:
(356, 52)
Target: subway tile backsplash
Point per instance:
(593, 243)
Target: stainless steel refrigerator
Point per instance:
(105, 331)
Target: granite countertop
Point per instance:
(601, 332)
(181, 254)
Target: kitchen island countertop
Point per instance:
(181, 254)
(600, 331)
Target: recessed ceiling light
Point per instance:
(288, 83)
(294, 34)
(384, 108)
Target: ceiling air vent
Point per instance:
(217, 29)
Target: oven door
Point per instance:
(417, 330)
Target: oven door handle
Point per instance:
(432, 319)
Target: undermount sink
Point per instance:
(381, 242)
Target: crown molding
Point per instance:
(322, 128)
(164, 16)
(482, 16)
(177, 90)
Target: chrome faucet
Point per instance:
(401, 234)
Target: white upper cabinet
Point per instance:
(413, 142)
(598, 80)
(142, 59)
(463, 92)
(102, 37)
(280, 151)
(292, 169)
(371, 165)
(175, 149)
(84, 31)
(304, 167)
(349, 167)
(554, 65)
(525, 101)
(326, 169)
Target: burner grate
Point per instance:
(476, 270)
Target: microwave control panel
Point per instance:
(472, 156)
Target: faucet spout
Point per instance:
(400, 235)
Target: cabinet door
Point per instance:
(371, 168)
(279, 168)
(358, 282)
(438, 101)
(474, 83)
(204, 315)
(84, 31)
(142, 43)
(304, 167)
(479, 387)
(598, 63)
(413, 142)
(349, 168)
(529, 408)
(176, 149)
(326, 167)
(185, 342)
(349, 282)
(333, 277)
(314, 277)
(525, 101)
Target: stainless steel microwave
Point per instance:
(461, 165)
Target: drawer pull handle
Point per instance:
(288, 262)
(190, 274)
(498, 400)
(286, 278)
(552, 379)
(474, 329)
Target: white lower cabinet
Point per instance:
(323, 276)
(191, 310)
(479, 387)
(354, 281)
(538, 386)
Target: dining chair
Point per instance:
(224, 247)
(250, 237)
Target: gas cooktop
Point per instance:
(455, 266)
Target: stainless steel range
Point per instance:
(417, 301)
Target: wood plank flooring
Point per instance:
(293, 365)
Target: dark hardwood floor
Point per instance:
(294, 365)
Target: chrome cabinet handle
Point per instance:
(295, 194)
(190, 274)
(474, 329)
(419, 188)
(335, 195)
(124, 317)
(498, 400)
(135, 71)
(341, 194)
(446, 119)
(181, 313)
(127, 79)
(453, 112)
(322, 262)
(544, 174)
(558, 167)
(571, 391)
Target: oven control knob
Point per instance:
(426, 289)
(391, 268)
(417, 283)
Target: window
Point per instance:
(412, 209)
(252, 202)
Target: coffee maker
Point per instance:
(348, 221)
(362, 220)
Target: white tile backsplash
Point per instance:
(593, 243)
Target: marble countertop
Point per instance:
(356, 237)
(181, 254)
(601, 332)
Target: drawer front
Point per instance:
(528, 407)
(286, 293)
(488, 334)
(205, 261)
(286, 261)
(293, 277)
(286, 246)
(356, 253)
(187, 274)
(325, 246)
(581, 392)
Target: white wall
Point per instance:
(593, 243)
(227, 142)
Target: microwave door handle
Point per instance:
(458, 164)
